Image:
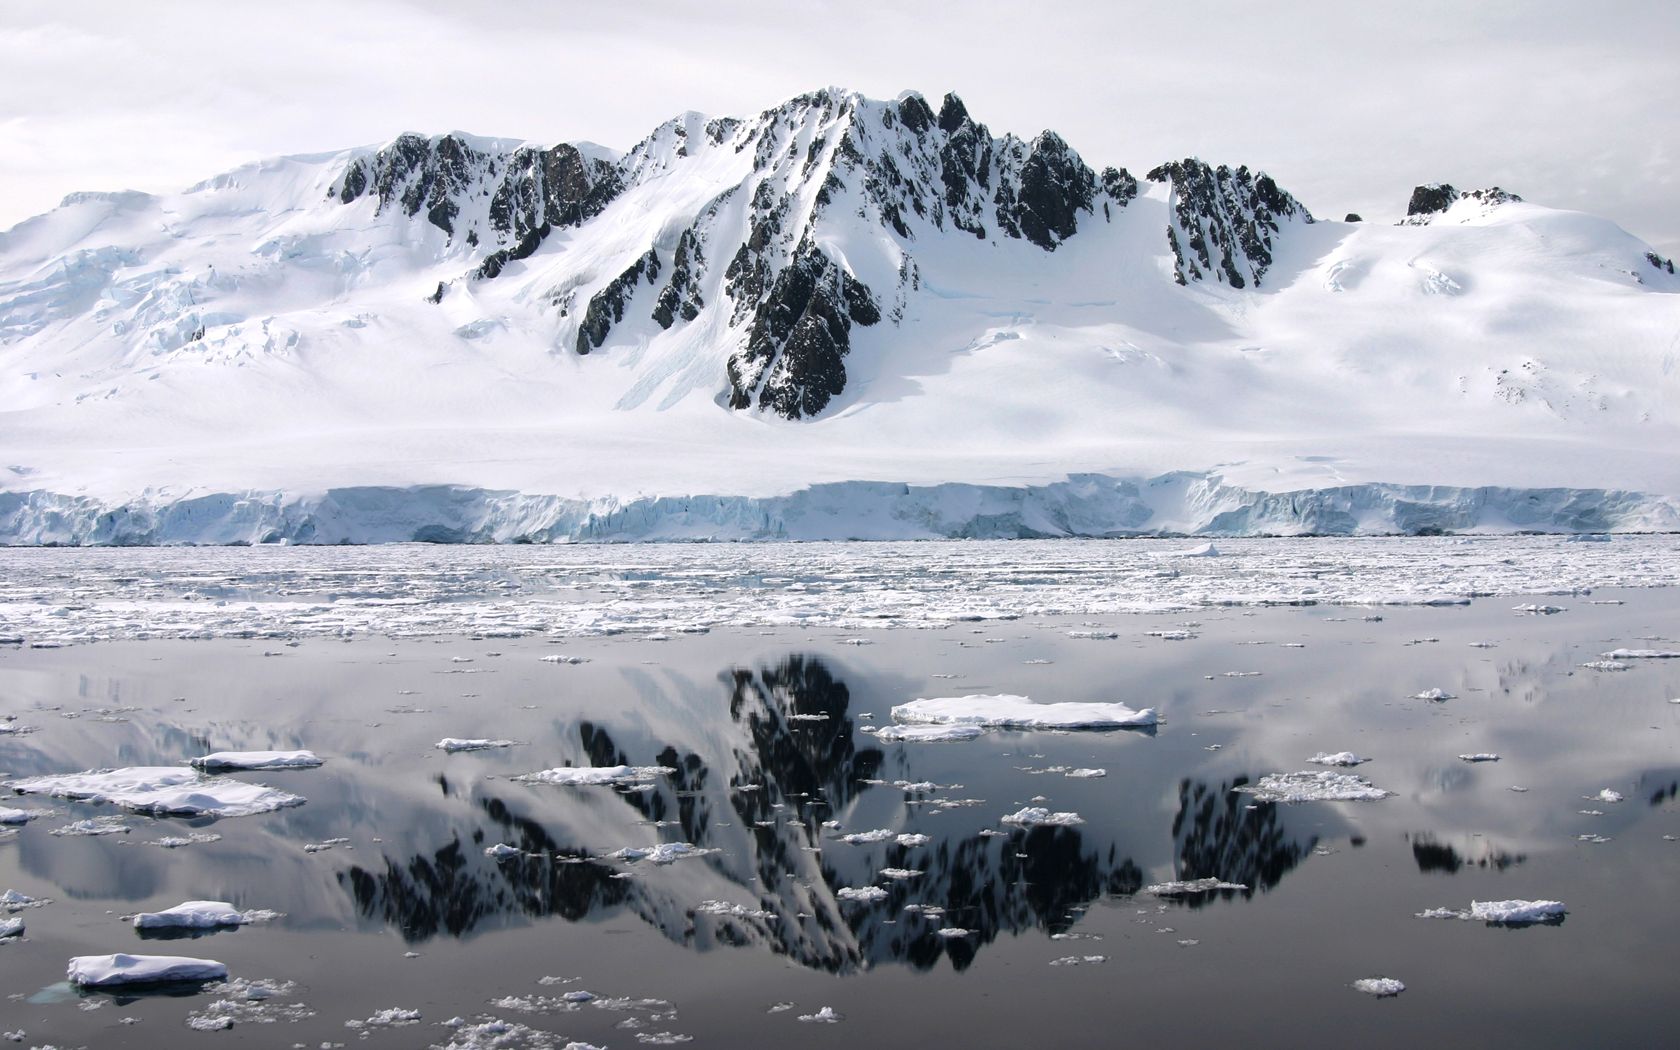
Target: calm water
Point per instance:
(409, 912)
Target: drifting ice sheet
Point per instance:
(1310, 786)
(1018, 712)
(592, 775)
(453, 744)
(1338, 758)
(1034, 816)
(198, 915)
(162, 790)
(98, 971)
(927, 734)
(224, 760)
(1517, 912)
(1381, 987)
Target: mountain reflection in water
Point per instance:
(758, 788)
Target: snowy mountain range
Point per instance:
(838, 291)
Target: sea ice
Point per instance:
(162, 790)
(927, 734)
(226, 760)
(1607, 795)
(1034, 816)
(1086, 774)
(10, 928)
(1309, 786)
(1642, 654)
(664, 853)
(1517, 912)
(199, 915)
(1606, 665)
(862, 894)
(824, 1016)
(453, 744)
(950, 932)
(913, 839)
(1337, 758)
(391, 1017)
(18, 816)
(94, 826)
(97, 971)
(500, 850)
(1436, 694)
(14, 901)
(594, 775)
(1381, 987)
(1186, 888)
(857, 838)
(1018, 712)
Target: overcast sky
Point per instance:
(1347, 104)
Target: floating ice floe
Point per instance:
(226, 760)
(899, 873)
(453, 744)
(1518, 912)
(594, 775)
(1006, 711)
(1480, 756)
(1311, 786)
(950, 932)
(557, 658)
(858, 838)
(1607, 795)
(1079, 960)
(1171, 636)
(1094, 635)
(162, 790)
(1434, 694)
(18, 816)
(913, 839)
(1191, 887)
(391, 1017)
(1086, 774)
(862, 894)
(1606, 665)
(1642, 654)
(10, 928)
(14, 901)
(1337, 758)
(1035, 816)
(927, 733)
(502, 849)
(732, 911)
(93, 826)
(100, 971)
(1381, 987)
(824, 1016)
(664, 853)
(177, 841)
(200, 915)
(1540, 610)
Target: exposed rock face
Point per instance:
(1428, 200)
(1659, 262)
(1224, 222)
(793, 362)
(681, 296)
(607, 306)
(1353, 216)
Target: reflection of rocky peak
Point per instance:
(1220, 834)
(1433, 855)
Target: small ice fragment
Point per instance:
(950, 932)
(94, 826)
(1540, 610)
(1642, 654)
(502, 849)
(1310, 786)
(927, 734)
(899, 873)
(392, 1017)
(1086, 774)
(557, 658)
(453, 744)
(1480, 756)
(858, 838)
(861, 894)
(1607, 795)
(1381, 987)
(913, 839)
(594, 775)
(1034, 816)
(1185, 888)
(1337, 758)
(780, 1008)
(225, 760)
(1436, 694)
(10, 928)
(664, 853)
(824, 1016)
(1019, 712)
(17, 816)
(1078, 960)
(1094, 635)
(1606, 665)
(14, 901)
(1517, 912)
(97, 971)
(199, 915)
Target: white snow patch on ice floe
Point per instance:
(862, 894)
(663, 853)
(98, 971)
(732, 911)
(826, 1015)
(900, 873)
(14, 901)
(1381, 987)
(950, 932)
(1642, 654)
(225, 760)
(1190, 887)
(927, 734)
(1436, 694)
(911, 839)
(93, 826)
(1007, 711)
(453, 744)
(594, 775)
(1311, 786)
(177, 841)
(1480, 756)
(1337, 758)
(858, 838)
(1517, 912)
(162, 790)
(1035, 816)
(1094, 635)
(200, 915)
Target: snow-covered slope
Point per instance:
(838, 290)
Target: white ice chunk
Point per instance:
(863, 894)
(500, 850)
(927, 734)
(1606, 665)
(10, 928)
(17, 816)
(1034, 816)
(1607, 795)
(162, 790)
(1517, 912)
(1019, 712)
(824, 1016)
(1310, 786)
(224, 760)
(1642, 654)
(199, 915)
(1381, 987)
(592, 775)
(1189, 887)
(1480, 756)
(453, 744)
(95, 971)
(1086, 773)
(950, 932)
(664, 853)
(1434, 694)
(913, 839)
(1337, 758)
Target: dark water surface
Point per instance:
(1332, 888)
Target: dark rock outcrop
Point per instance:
(1224, 221)
(681, 295)
(1430, 199)
(606, 307)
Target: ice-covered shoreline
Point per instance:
(1082, 505)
